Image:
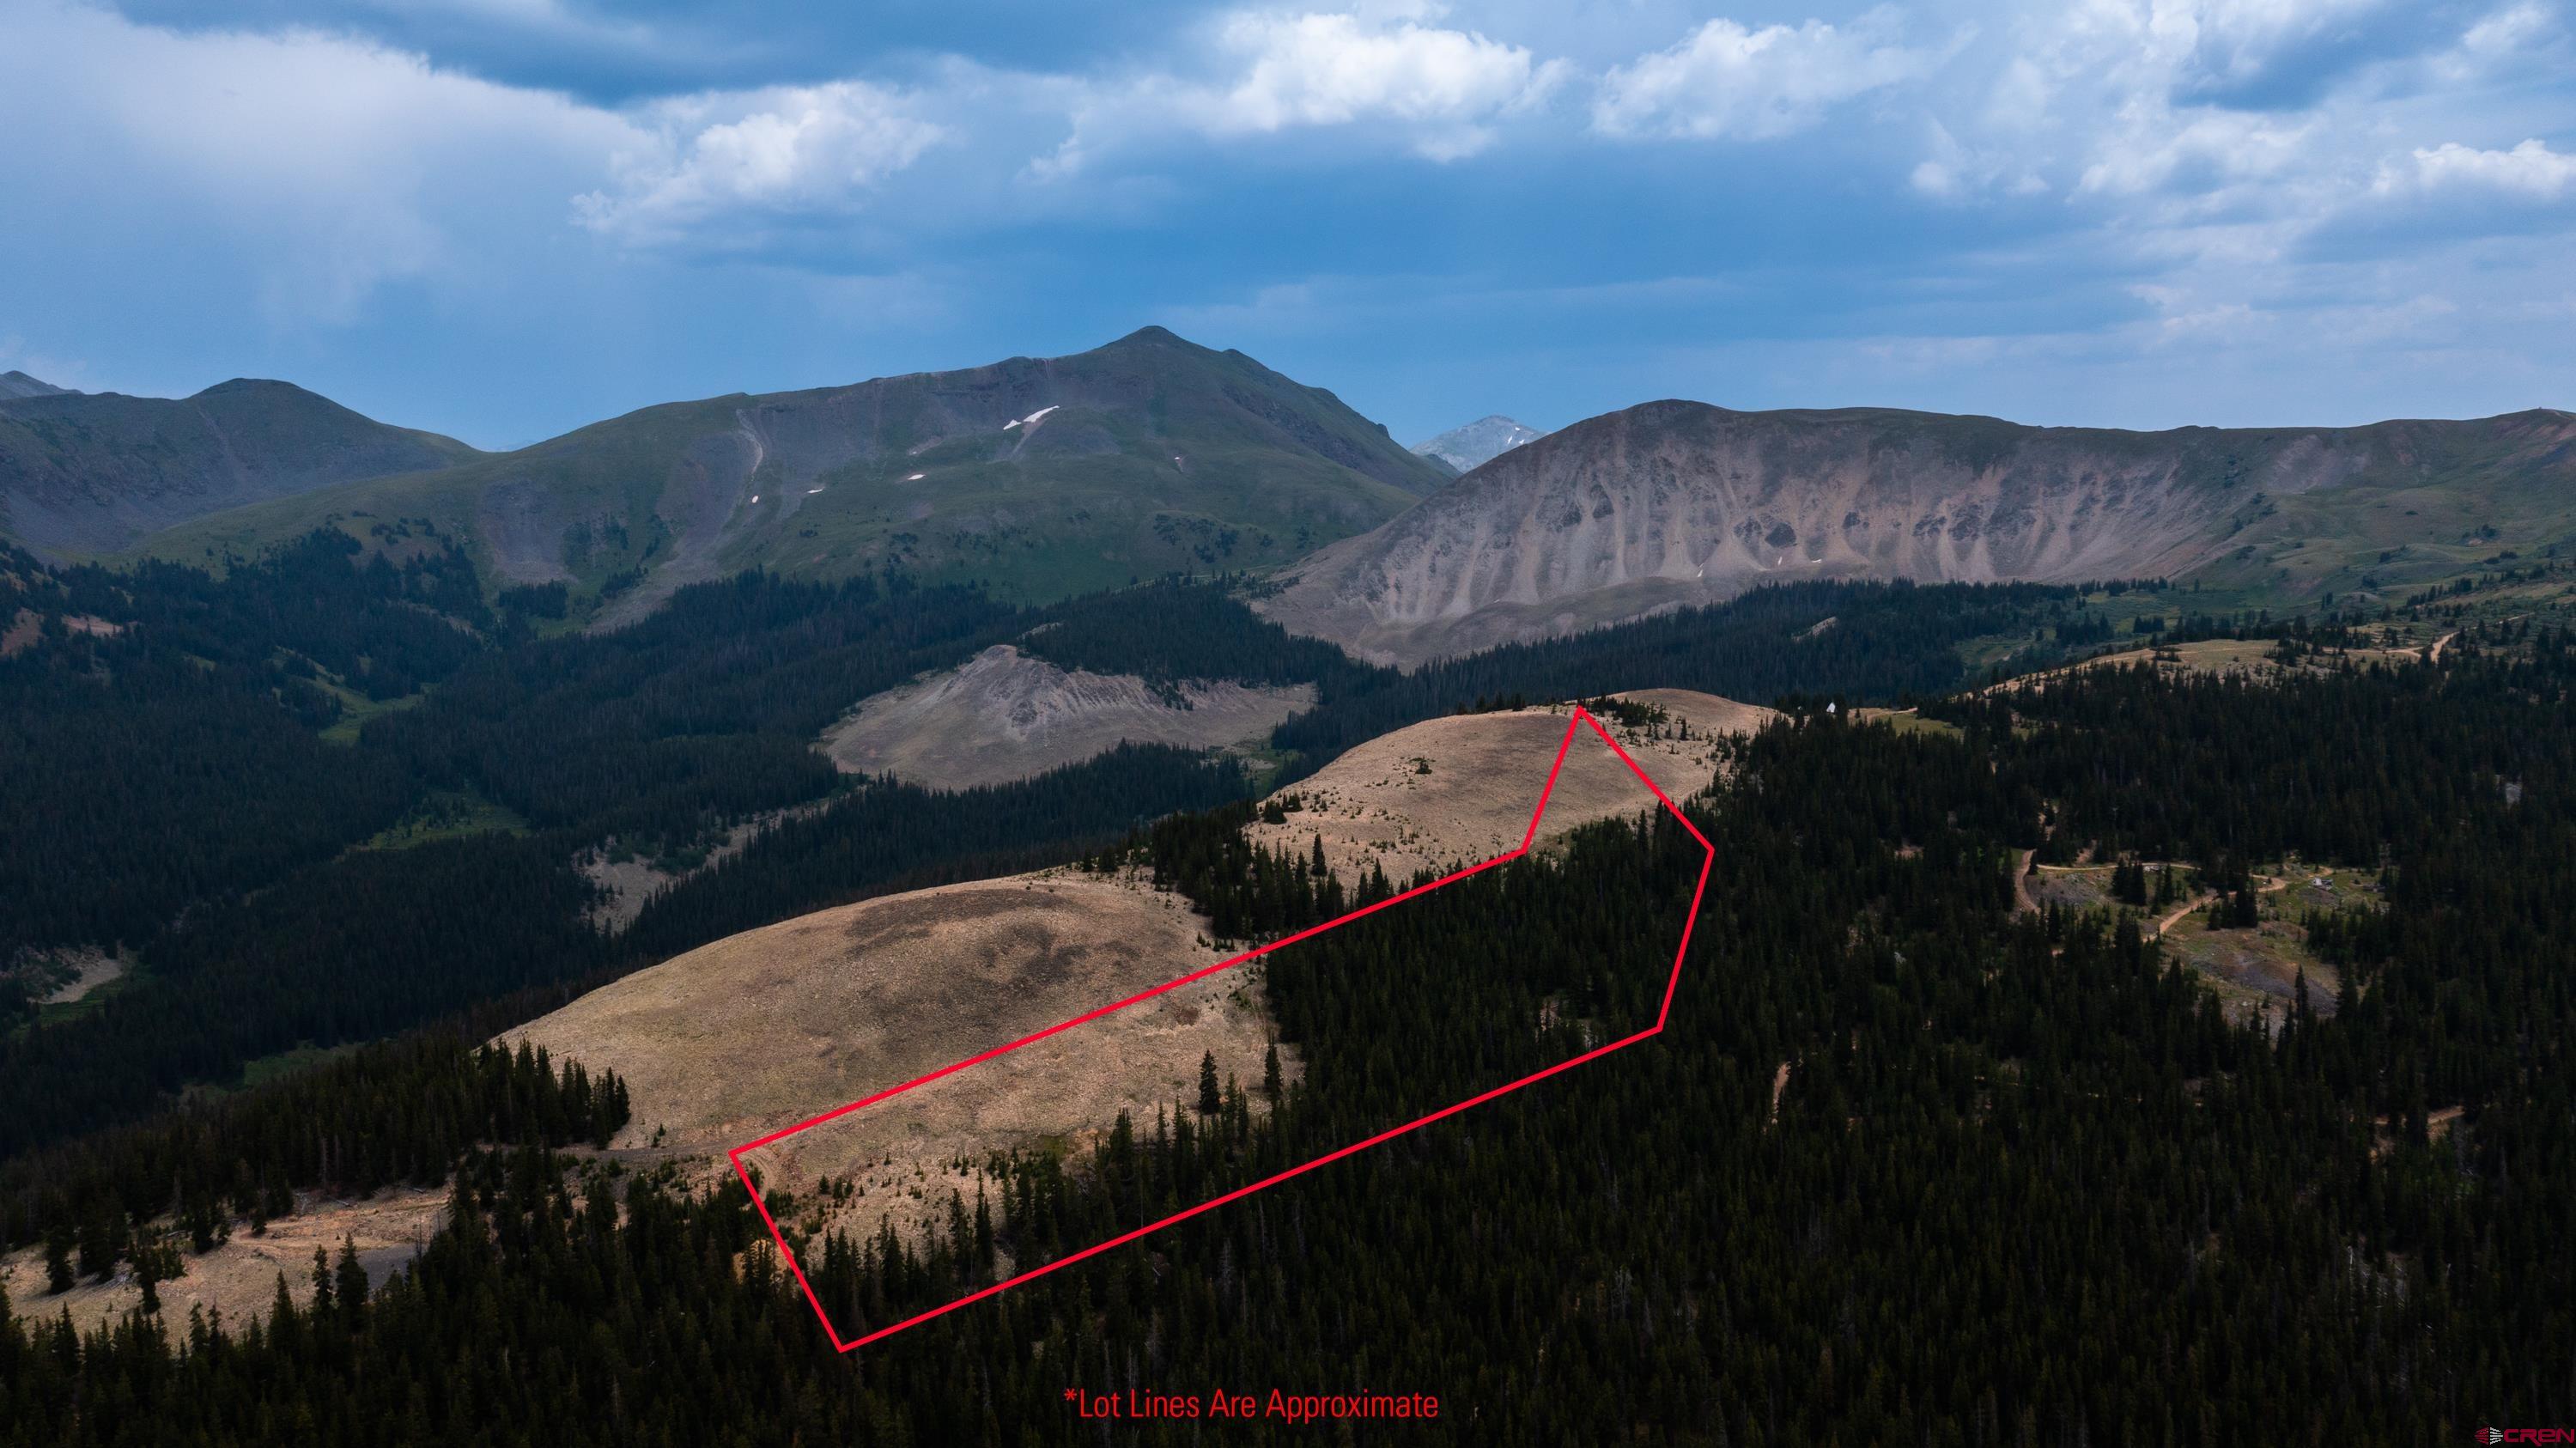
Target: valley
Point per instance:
(1388, 724)
(1863, 972)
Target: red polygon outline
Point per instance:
(1528, 838)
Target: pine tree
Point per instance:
(1210, 1101)
(154, 1263)
(352, 1283)
(321, 1284)
(102, 1239)
(58, 1257)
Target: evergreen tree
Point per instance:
(58, 1256)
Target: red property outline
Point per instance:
(1528, 838)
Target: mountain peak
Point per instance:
(1478, 443)
(1152, 337)
(16, 385)
(265, 385)
(92, 473)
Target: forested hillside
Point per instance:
(158, 729)
(208, 773)
(1907, 1165)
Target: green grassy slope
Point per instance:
(2420, 503)
(93, 472)
(1146, 455)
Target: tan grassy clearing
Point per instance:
(766, 1028)
(1906, 721)
(27, 629)
(240, 1275)
(1375, 804)
(2250, 658)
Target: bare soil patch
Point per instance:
(1005, 716)
(78, 972)
(2256, 969)
(27, 629)
(626, 886)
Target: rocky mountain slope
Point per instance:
(1043, 476)
(1680, 502)
(1004, 715)
(93, 472)
(1468, 448)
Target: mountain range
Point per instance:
(1674, 503)
(1039, 476)
(1047, 477)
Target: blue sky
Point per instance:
(504, 218)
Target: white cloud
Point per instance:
(1331, 70)
(2498, 40)
(1952, 171)
(786, 149)
(1433, 91)
(2215, 168)
(339, 163)
(1724, 81)
(2149, 149)
(2530, 169)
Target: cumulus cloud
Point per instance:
(2209, 174)
(785, 149)
(2501, 41)
(2148, 152)
(1433, 91)
(1330, 70)
(2189, 126)
(2530, 169)
(1724, 81)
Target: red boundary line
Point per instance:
(1528, 838)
